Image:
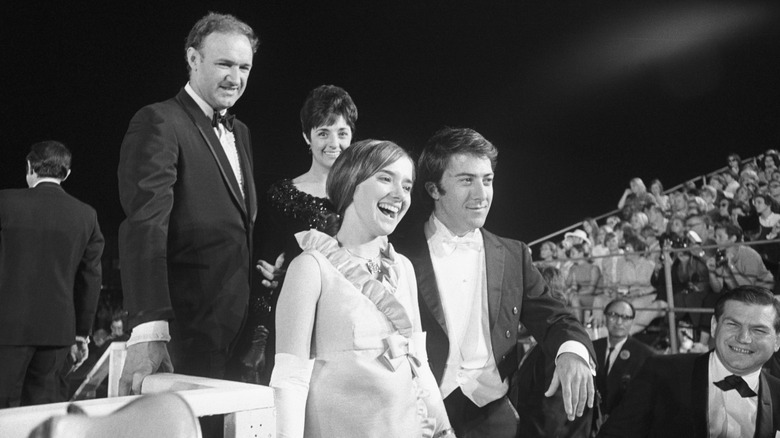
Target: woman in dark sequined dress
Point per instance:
(328, 119)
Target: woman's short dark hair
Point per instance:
(50, 159)
(657, 181)
(324, 105)
(774, 157)
(637, 244)
(580, 248)
(358, 163)
(730, 229)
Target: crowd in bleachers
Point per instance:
(721, 231)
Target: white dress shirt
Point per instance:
(730, 414)
(226, 138)
(614, 354)
(461, 277)
(158, 330)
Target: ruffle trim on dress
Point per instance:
(381, 293)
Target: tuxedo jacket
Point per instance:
(613, 385)
(669, 398)
(185, 246)
(516, 291)
(50, 274)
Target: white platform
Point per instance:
(248, 409)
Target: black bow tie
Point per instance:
(226, 119)
(736, 382)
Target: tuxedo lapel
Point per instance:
(494, 264)
(700, 383)
(426, 277)
(244, 148)
(764, 426)
(203, 124)
(601, 351)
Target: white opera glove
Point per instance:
(290, 380)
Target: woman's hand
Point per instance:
(272, 273)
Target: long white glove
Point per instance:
(290, 380)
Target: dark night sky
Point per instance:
(579, 96)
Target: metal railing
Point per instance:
(671, 310)
(617, 211)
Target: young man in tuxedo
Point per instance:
(475, 288)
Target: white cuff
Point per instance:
(148, 332)
(580, 350)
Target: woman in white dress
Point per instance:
(350, 352)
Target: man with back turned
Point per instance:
(50, 275)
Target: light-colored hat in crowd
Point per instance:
(580, 234)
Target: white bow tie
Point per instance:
(446, 245)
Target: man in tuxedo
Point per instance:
(475, 288)
(186, 186)
(50, 274)
(619, 356)
(720, 393)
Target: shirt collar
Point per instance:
(619, 345)
(47, 180)
(719, 372)
(205, 107)
(435, 228)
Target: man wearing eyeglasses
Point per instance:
(619, 357)
(721, 393)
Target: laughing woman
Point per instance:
(350, 351)
(328, 119)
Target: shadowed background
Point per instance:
(579, 96)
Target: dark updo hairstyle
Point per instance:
(324, 105)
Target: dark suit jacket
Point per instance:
(185, 247)
(50, 248)
(614, 385)
(669, 398)
(516, 293)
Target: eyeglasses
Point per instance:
(612, 316)
(693, 224)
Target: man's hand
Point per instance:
(576, 381)
(272, 273)
(143, 359)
